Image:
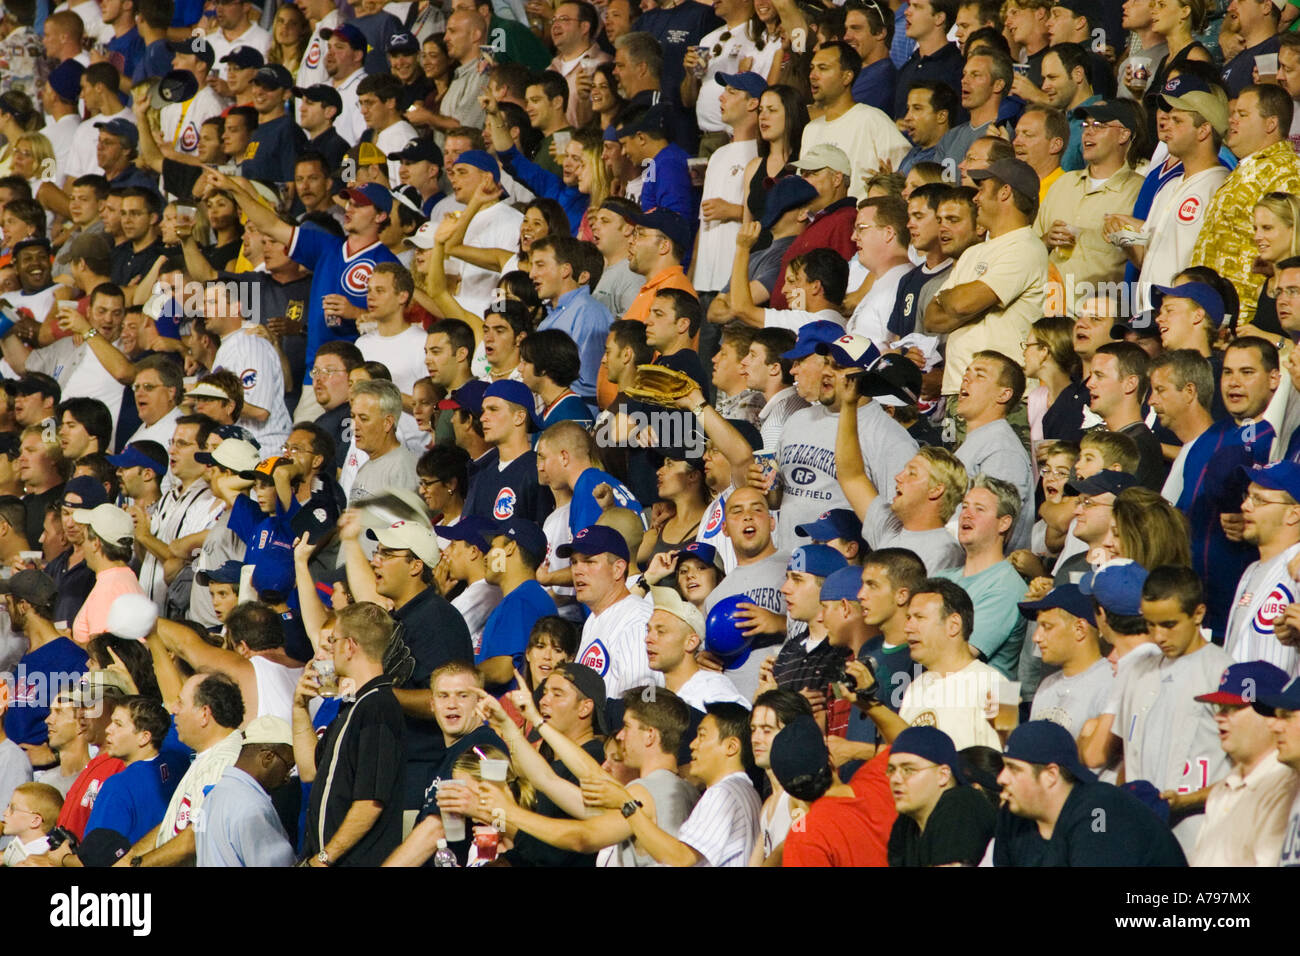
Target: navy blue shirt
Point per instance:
(513, 492)
(942, 66)
(677, 28)
(875, 85)
(1238, 72)
(272, 150)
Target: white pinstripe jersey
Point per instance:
(724, 824)
(256, 363)
(613, 645)
(1263, 593)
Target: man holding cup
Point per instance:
(1257, 20)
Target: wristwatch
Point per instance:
(90, 334)
(699, 408)
(323, 858)
(631, 807)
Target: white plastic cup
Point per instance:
(453, 824)
(1266, 63)
(329, 680)
(493, 771)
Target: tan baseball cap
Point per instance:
(268, 730)
(666, 599)
(824, 156)
(409, 536)
(109, 522)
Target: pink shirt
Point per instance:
(109, 585)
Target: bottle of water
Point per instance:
(444, 856)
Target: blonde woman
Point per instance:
(290, 32)
(34, 160)
(1276, 218)
(1057, 405)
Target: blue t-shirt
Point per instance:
(42, 673)
(134, 801)
(130, 46)
(272, 150)
(333, 272)
(583, 511)
(670, 186)
(155, 64)
(571, 408)
(506, 630)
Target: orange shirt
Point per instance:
(672, 278)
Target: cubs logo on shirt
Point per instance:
(596, 657)
(356, 278)
(189, 139)
(1190, 209)
(313, 54)
(504, 506)
(715, 521)
(25, 692)
(249, 378)
(1271, 609)
(182, 815)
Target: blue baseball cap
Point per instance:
(272, 567)
(480, 159)
(1149, 794)
(1288, 698)
(469, 397)
(349, 34)
(1281, 476)
(90, 491)
(929, 743)
(242, 58)
(850, 351)
(1116, 586)
(836, 523)
(1244, 683)
(122, 129)
(1042, 741)
(1067, 597)
(1202, 293)
(748, 82)
(799, 754)
(653, 122)
(706, 554)
(811, 335)
(818, 559)
(666, 221)
(597, 539)
(1105, 482)
(65, 80)
(133, 456)
(228, 573)
(788, 192)
(471, 529)
(527, 535)
(842, 585)
(517, 393)
(370, 194)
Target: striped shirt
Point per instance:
(202, 776)
(257, 364)
(613, 645)
(1263, 593)
(724, 824)
(176, 515)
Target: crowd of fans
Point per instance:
(339, 528)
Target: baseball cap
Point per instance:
(824, 156)
(1108, 111)
(1104, 482)
(748, 82)
(34, 587)
(1042, 741)
(836, 523)
(817, 559)
(850, 351)
(1016, 173)
(1244, 683)
(268, 730)
(321, 93)
(123, 129)
(65, 80)
(176, 86)
(893, 377)
(811, 334)
(788, 192)
(1144, 324)
(227, 573)
(652, 122)
(410, 536)
(421, 149)
(666, 599)
(1288, 698)
(799, 754)
(592, 686)
(593, 540)
(424, 237)
(272, 567)
(929, 743)
(1067, 597)
(233, 453)
(207, 390)
(371, 194)
(102, 847)
(666, 221)
(108, 522)
(273, 76)
(480, 159)
(264, 468)
(469, 396)
(367, 154)
(240, 432)
(748, 432)
(527, 534)
(200, 47)
(94, 686)
(37, 383)
(1080, 8)
(1191, 93)
(349, 34)
(31, 242)
(90, 491)
(245, 58)
(403, 44)
(1202, 293)
(706, 554)
(842, 585)
(1116, 586)
(132, 616)
(517, 393)
(471, 529)
(1281, 476)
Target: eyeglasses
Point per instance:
(318, 372)
(907, 772)
(144, 387)
(295, 450)
(1086, 503)
(1054, 472)
(1095, 125)
(386, 554)
(1256, 501)
(564, 19)
(1031, 344)
(1288, 291)
(429, 482)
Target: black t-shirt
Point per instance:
(320, 514)
(1063, 421)
(498, 493)
(481, 737)
(1152, 468)
(530, 851)
(74, 586)
(1132, 835)
(129, 265)
(338, 423)
(330, 145)
(958, 831)
(688, 362)
(34, 523)
(364, 745)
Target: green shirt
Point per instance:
(999, 625)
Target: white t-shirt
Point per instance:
(955, 703)
(257, 364)
(866, 135)
(390, 140)
(254, 36)
(475, 603)
(496, 227)
(871, 318)
(710, 687)
(160, 431)
(738, 46)
(349, 122)
(402, 354)
(723, 179)
(613, 645)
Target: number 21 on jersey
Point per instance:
(1196, 775)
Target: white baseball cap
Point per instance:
(409, 536)
(268, 730)
(666, 599)
(233, 453)
(109, 522)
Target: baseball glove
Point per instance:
(660, 385)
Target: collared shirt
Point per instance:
(177, 515)
(349, 122)
(1245, 816)
(1072, 158)
(240, 826)
(461, 99)
(110, 584)
(674, 277)
(875, 85)
(1227, 240)
(1045, 183)
(579, 109)
(1083, 203)
(586, 321)
(943, 65)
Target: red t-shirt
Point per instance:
(81, 795)
(847, 831)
